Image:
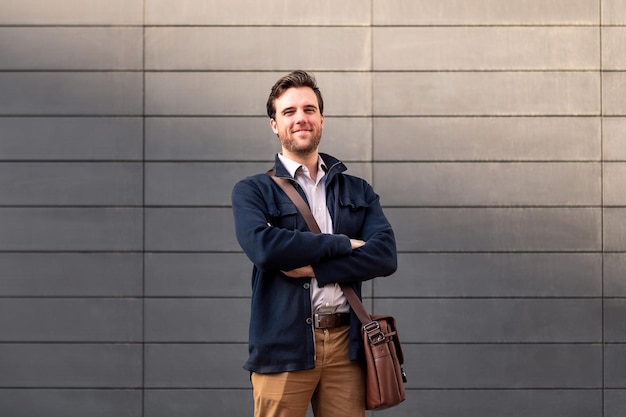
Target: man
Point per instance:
(305, 342)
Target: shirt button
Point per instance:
(306, 286)
(309, 320)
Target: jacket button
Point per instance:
(309, 320)
(306, 286)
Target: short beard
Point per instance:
(290, 145)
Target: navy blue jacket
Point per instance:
(275, 237)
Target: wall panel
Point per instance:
(246, 12)
(614, 270)
(86, 365)
(196, 274)
(513, 403)
(70, 229)
(485, 48)
(211, 48)
(208, 320)
(71, 138)
(489, 184)
(75, 183)
(196, 402)
(498, 229)
(72, 12)
(486, 12)
(614, 129)
(491, 94)
(71, 48)
(615, 366)
(613, 89)
(613, 42)
(189, 230)
(70, 274)
(508, 366)
(614, 229)
(468, 275)
(71, 320)
(194, 366)
(614, 12)
(492, 138)
(76, 93)
(72, 403)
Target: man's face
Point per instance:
(298, 122)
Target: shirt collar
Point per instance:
(293, 166)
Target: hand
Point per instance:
(356, 243)
(302, 272)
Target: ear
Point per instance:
(322, 121)
(274, 126)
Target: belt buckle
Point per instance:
(317, 319)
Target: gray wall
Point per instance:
(493, 130)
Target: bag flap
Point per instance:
(388, 325)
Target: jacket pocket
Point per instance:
(352, 215)
(284, 215)
(353, 202)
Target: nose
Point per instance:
(300, 116)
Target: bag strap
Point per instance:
(305, 211)
(297, 199)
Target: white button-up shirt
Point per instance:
(330, 298)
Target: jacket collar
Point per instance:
(334, 166)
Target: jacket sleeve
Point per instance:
(377, 258)
(272, 248)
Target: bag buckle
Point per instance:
(374, 334)
(370, 327)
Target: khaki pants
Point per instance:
(335, 387)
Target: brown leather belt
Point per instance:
(329, 321)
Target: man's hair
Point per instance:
(295, 79)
